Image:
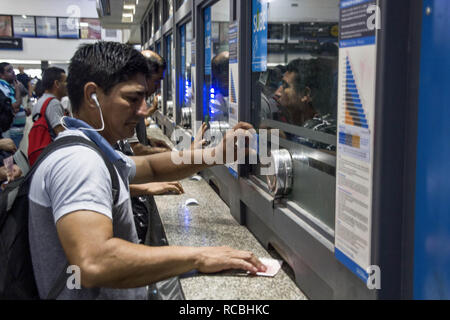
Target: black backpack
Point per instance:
(6, 112)
(17, 280)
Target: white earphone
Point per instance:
(93, 97)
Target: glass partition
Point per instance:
(186, 37)
(157, 12)
(294, 90)
(168, 10)
(216, 64)
(169, 76)
(150, 25)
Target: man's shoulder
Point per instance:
(71, 159)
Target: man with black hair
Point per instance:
(16, 92)
(54, 84)
(74, 219)
(9, 85)
(294, 95)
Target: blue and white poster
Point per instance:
(208, 44)
(259, 35)
(356, 125)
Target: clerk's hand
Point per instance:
(216, 259)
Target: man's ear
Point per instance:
(306, 95)
(89, 89)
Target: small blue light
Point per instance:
(212, 96)
(212, 90)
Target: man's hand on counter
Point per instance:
(216, 259)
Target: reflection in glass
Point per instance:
(297, 94)
(217, 55)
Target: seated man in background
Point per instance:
(71, 200)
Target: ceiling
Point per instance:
(114, 20)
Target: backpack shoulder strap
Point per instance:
(43, 109)
(73, 141)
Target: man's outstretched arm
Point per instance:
(162, 167)
(105, 261)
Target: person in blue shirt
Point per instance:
(12, 88)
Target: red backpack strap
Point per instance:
(43, 109)
(45, 105)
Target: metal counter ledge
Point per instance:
(211, 224)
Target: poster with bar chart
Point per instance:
(356, 126)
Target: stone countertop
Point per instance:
(211, 224)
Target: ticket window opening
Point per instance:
(296, 93)
(215, 91)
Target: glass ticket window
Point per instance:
(157, 12)
(150, 25)
(158, 47)
(168, 54)
(294, 90)
(185, 82)
(216, 64)
(167, 10)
